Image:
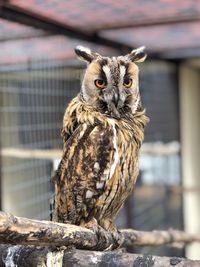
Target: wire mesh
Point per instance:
(33, 98)
(33, 101)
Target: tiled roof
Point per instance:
(19, 43)
(91, 15)
(159, 38)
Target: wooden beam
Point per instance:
(46, 154)
(23, 36)
(180, 53)
(23, 231)
(160, 149)
(42, 256)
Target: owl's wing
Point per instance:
(89, 160)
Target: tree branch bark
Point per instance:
(42, 256)
(22, 231)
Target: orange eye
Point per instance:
(100, 83)
(128, 83)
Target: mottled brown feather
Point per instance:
(99, 166)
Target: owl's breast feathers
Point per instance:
(99, 165)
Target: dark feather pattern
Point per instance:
(103, 129)
(99, 166)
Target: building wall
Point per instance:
(190, 139)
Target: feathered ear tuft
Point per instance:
(138, 55)
(85, 54)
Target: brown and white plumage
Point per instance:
(103, 129)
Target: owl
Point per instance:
(103, 128)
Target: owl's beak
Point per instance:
(115, 98)
(112, 100)
(111, 95)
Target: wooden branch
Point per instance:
(157, 237)
(40, 256)
(16, 230)
(156, 148)
(161, 149)
(32, 153)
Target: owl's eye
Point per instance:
(128, 83)
(100, 83)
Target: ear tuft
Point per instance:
(138, 55)
(84, 53)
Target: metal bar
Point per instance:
(26, 17)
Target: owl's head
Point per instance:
(111, 84)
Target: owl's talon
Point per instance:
(101, 233)
(118, 239)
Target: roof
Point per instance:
(35, 29)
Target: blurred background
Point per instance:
(39, 75)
